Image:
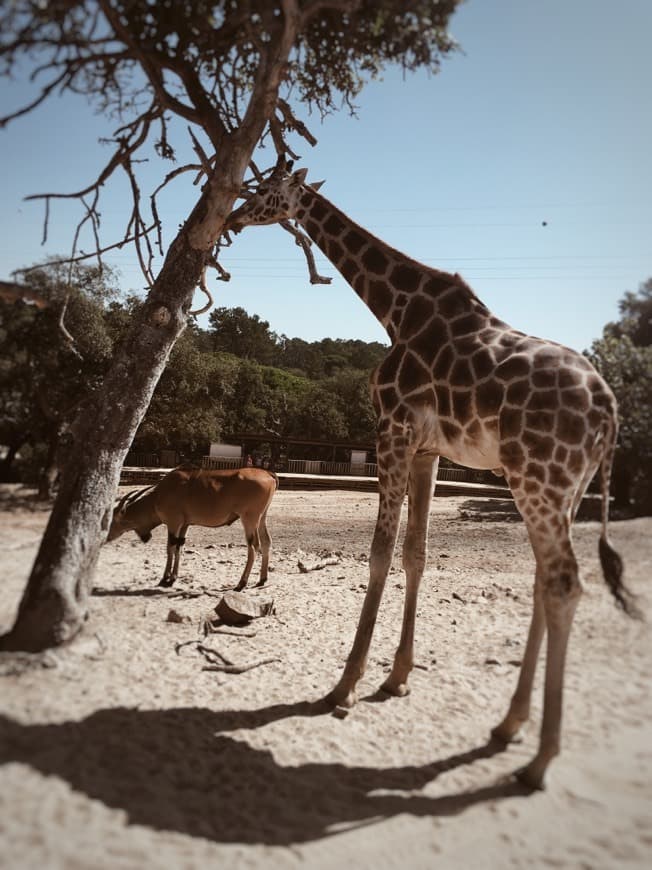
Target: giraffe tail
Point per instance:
(612, 563)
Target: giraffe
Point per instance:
(459, 382)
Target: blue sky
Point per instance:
(525, 165)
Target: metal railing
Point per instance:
(348, 469)
(142, 460)
(221, 462)
(318, 466)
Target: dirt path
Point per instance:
(123, 754)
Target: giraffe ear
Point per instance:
(299, 176)
(316, 184)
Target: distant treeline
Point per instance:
(238, 376)
(235, 376)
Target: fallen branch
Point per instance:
(317, 566)
(219, 662)
(238, 669)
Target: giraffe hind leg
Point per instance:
(519, 709)
(556, 595)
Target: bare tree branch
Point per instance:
(293, 123)
(223, 275)
(199, 151)
(66, 260)
(305, 244)
(70, 341)
(203, 287)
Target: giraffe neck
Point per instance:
(383, 277)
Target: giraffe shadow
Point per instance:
(179, 770)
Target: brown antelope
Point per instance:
(201, 497)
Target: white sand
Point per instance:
(127, 755)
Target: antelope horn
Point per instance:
(131, 497)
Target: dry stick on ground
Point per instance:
(303, 568)
(219, 662)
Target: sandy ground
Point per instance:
(123, 754)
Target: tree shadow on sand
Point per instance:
(177, 770)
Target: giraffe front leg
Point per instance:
(382, 549)
(420, 491)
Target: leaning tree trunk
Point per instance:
(54, 606)
(55, 603)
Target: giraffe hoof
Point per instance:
(341, 698)
(505, 734)
(398, 690)
(531, 777)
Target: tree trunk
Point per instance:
(54, 606)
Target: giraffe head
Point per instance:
(276, 199)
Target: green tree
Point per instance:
(42, 381)
(233, 72)
(624, 357)
(303, 357)
(351, 389)
(636, 316)
(247, 336)
(187, 408)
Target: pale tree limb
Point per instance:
(305, 244)
(223, 275)
(69, 339)
(203, 287)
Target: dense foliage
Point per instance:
(42, 382)
(624, 356)
(240, 377)
(235, 377)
